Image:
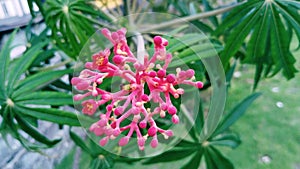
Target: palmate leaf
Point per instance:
(268, 24)
(4, 62)
(72, 23)
(215, 160)
(22, 90)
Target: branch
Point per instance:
(191, 18)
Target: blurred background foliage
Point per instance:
(258, 39)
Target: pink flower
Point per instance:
(89, 107)
(128, 103)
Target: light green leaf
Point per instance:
(45, 98)
(22, 64)
(38, 80)
(4, 62)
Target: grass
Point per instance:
(267, 130)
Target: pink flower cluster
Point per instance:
(131, 95)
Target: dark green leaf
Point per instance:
(45, 98)
(215, 160)
(236, 113)
(226, 139)
(34, 133)
(171, 155)
(79, 142)
(194, 162)
(52, 115)
(269, 26)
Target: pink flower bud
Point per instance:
(171, 78)
(199, 84)
(165, 42)
(145, 98)
(164, 106)
(98, 131)
(109, 107)
(152, 73)
(103, 141)
(123, 141)
(105, 31)
(152, 131)
(75, 80)
(169, 133)
(190, 73)
(154, 143)
(116, 132)
(157, 40)
(83, 85)
(141, 141)
(115, 36)
(172, 110)
(118, 59)
(161, 73)
(182, 74)
(118, 111)
(138, 66)
(143, 124)
(103, 121)
(175, 119)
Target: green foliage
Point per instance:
(221, 137)
(71, 23)
(268, 25)
(20, 90)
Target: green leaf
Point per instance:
(45, 98)
(22, 64)
(79, 142)
(215, 160)
(226, 139)
(266, 28)
(185, 144)
(171, 155)
(103, 162)
(237, 36)
(38, 81)
(280, 43)
(49, 114)
(236, 113)
(4, 62)
(34, 133)
(63, 17)
(194, 162)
